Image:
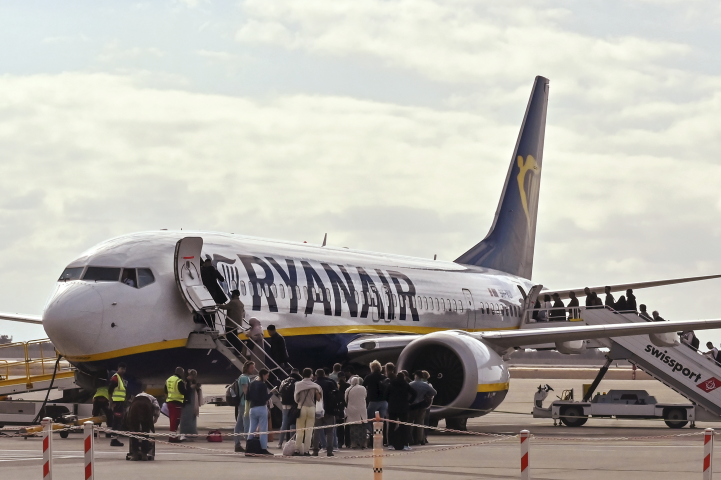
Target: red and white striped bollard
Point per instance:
(89, 450)
(525, 467)
(378, 448)
(47, 424)
(708, 454)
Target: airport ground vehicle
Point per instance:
(612, 404)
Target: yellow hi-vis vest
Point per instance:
(174, 394)
(119, 392)
(102, 392)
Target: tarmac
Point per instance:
(593, 451)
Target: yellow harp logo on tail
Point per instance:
(524, 167)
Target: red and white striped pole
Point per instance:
(47, 424)
(525, 467)
(89, 451)
(708, 454)
(378, 448)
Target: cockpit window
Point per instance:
(145, 277)
(129, 277)
(72, 273)
(102, 274)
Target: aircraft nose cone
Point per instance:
(73, 318)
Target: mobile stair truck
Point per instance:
(677, 365)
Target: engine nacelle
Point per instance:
(572, 347)
(668, 339)
(471, 379)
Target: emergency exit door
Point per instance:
(470, 308)
(187, 275)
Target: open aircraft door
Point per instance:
(470, 308)
(187, 275)
(529, 301)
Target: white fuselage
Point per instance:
(340, 294)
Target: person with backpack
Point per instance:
(307, 393)
(375, 385)
(289, 405)
(330, 404)
(242, 423)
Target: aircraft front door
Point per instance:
(470, 308)
(187, 275)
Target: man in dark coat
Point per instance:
(558, 314)
(610, 301)
(630, 300)
(278, 352)
(574, 312)
(210, 278)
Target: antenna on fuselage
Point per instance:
(325, 237)
(435, 256)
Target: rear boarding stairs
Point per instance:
(664, 357)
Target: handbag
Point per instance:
(214, 436)
(289, 447)
(319, 410)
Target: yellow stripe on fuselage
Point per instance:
(493, 387)
(286, 332)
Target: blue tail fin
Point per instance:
(508, 247)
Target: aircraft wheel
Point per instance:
(457, 424)
(675, 418)
(573, 417)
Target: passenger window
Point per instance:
(425, 303)
(71, 274)
(129, 278)
(305, 292)
(102, 274)
(395, 299)
(455, 306)
(355, 295)
(242, 288)
(274, 290)
(327, 292)
(342, 297)
(448, 305)
(460, 304)
(282, 290)
(297, 293)
(438, 307)
(145, 277)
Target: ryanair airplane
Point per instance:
(133, 299)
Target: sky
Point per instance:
(387, 124)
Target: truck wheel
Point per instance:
(573, 417)
(675, 418)
(64, 434)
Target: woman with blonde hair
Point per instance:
(242, 424)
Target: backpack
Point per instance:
(334, 403)
(252, 446)
(287, 391)
(232, 394)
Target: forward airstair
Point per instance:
(677, 365)
(238, 351)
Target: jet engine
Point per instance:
(470, 377)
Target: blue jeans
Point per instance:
(288, 424)
(373, 407)
(259, 418)
(239, 426)
(380, 407)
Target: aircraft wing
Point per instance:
(534, 336)
(625, 286)
(22, 318)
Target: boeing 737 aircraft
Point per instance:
(133, 299)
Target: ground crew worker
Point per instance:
(117, 391)
(101, 405)
(176, 389)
